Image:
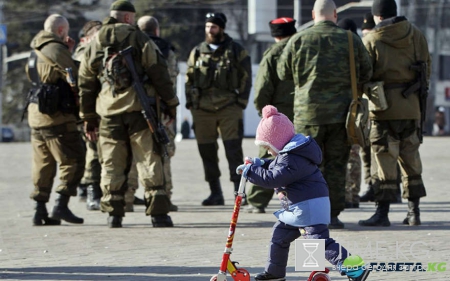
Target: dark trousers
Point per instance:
(284, 234)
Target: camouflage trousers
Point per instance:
(122, 138)
(353, 176)
(57, 146)
(396, 142)
(259, 196)
(332, 139)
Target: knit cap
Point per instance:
(384, 8)
(217, 18)
(275, 130)
(122, 5)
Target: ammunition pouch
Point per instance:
(52, 98)
(375, 93)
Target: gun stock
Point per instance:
(155, 126)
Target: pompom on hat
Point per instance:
(275, 130)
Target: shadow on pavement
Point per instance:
(138, 273)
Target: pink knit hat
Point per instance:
(274, 130)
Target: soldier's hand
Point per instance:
(70, 43)
(172, 113)
(91, 129)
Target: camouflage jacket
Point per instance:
(269, 89)
(393, 46)
(222, 77)
(317, 59)
(57, 52)
(96, 97)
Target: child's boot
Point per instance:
(268, 277)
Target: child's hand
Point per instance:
(243, 169)
(255, 161)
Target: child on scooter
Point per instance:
(295, 176)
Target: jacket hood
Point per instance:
(113, 32)
(43, 38)
(396, 32)
(304, 146)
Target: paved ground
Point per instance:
(192, 250)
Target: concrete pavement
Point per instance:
(192, 250)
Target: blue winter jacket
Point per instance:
(295, 171)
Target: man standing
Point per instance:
(123, 131)
(54, 134)
(317, 60)
(89, 188)
(269, 89)
(150, 26)
(396, 48)
(218, 82)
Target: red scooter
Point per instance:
(241, 274)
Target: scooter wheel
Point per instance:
(321, 276)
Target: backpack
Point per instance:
(115, 71)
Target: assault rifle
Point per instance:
(153, 122)
(420, 85)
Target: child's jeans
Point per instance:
(284, 234)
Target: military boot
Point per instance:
(162, 221)
(61, 210)
(380, 218)
(82, 192)
(41, 215)
(413, 216)
(216, 196)
(94, 194)
(114, 221)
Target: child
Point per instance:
(295, 176)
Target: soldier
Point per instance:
(323, 93)
(218, 82)
(394, 46)
(353, 174)
(54, 134)
(269, 90)
(150, 26)
(123, 131)
(90, 183)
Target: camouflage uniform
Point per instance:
(317, 60)
(270, 90)
(55, 138)
(393, 46)
(222, 77)
(353, 177)
(123, 131)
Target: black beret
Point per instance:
(217, 18)
(384, 8)
(122, 5)
(368, 22)
(348, 24)
(282, 27)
